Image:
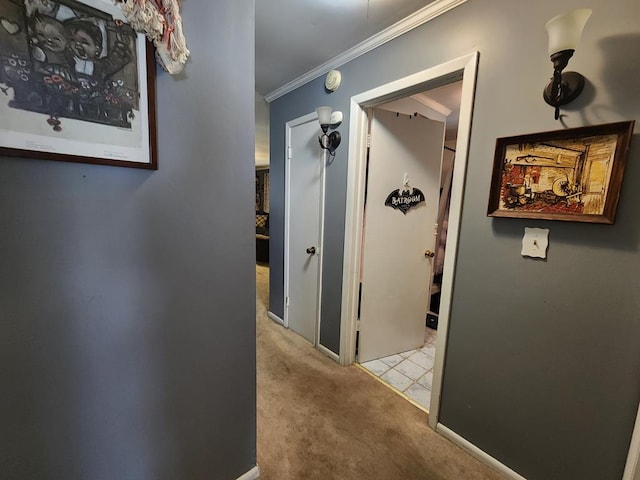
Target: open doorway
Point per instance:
(262, 215)
(462, 69)
(411, 145)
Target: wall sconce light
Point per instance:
(564, 35)
(326, 119)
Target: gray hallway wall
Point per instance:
(127, 297)
(543, 360)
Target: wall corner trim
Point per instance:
(422, 16)
(253, 474)
(477, 453)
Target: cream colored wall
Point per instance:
(262, 131)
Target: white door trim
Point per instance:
(310, 117)
(632, 468)
(466, 68)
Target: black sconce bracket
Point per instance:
(329, 142)
(563, 87)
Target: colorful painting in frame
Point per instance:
(570, 175)
(77, 83)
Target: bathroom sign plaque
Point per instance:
(404, 199)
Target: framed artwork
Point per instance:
(77, 84)
(572, 175)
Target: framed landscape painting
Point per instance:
(571, 175)
(77, 83)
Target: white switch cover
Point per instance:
(535, 242)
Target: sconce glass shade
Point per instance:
(565, 30)
(324, 115)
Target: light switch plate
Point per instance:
(535, 242)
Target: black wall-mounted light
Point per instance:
(564, 35)
(329, 141)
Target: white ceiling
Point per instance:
(295, 36)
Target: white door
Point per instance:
(303, 230)
(395, 270)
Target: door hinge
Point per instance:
(368, 140)
(286, 302)
(289, 153)
(357, 325)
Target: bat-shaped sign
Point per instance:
(404, 199)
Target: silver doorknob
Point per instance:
(429, 254)
(311, 250)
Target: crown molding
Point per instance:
(414, 20)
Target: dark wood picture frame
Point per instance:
(570, 175)
(58, 102)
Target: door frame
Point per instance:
(310, 117)
(463, 68)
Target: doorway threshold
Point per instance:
(410, 374)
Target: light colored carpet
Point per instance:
(318, 420)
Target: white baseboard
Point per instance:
(275, 318)
(329, 353)
(477, 453)
(253, 474)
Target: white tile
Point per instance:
(410, 369)
(376, 367)
(429, 350)
(407, 354)
(396, 379)
(422, 359)
(426, 380)
(419, 394)
(392, 360)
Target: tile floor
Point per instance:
(409, 372)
